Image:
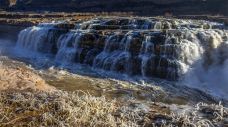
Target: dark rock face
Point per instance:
(146, 7)
(161, 48)
(4, 4)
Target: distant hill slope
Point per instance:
(145, 7)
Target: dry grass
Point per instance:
(63, 109)
(60, 109)
(23, 104)
(18, 78)
(203, 115)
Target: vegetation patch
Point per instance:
(81, 109)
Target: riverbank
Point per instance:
(27, 100)
(26, 19)
(15, 78)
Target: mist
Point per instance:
(213, 78)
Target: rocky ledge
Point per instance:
(27, 19)
(31, 19)
(151, 47)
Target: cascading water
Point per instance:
(209, 69)
(33, 38)
(41, 38)
(67, 45)
(169, 49)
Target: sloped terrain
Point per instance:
(145, 7)
(17, 78)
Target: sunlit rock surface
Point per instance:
(18, 78)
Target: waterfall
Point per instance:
(211, 68)
(41, 38)
(104, 59)
(169, 49)
(33, 38)
(67, 45)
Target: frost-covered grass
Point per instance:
(61, 109)
(202, 115)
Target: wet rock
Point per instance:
(81, 54)
(120, 63)
(127, 27)
(104, 27)
(137, 50)
(113, 42)
(53, 36)
(87, 40)
(100, 43)
(112, 22)
(169, 50)
(109, 61)
(90, 56)
(57, 25)
(123, 22)
(134, 45)
(65, 26)
(136, 66)
(166, 68)
(149, 67)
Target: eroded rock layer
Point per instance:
(148, 47)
